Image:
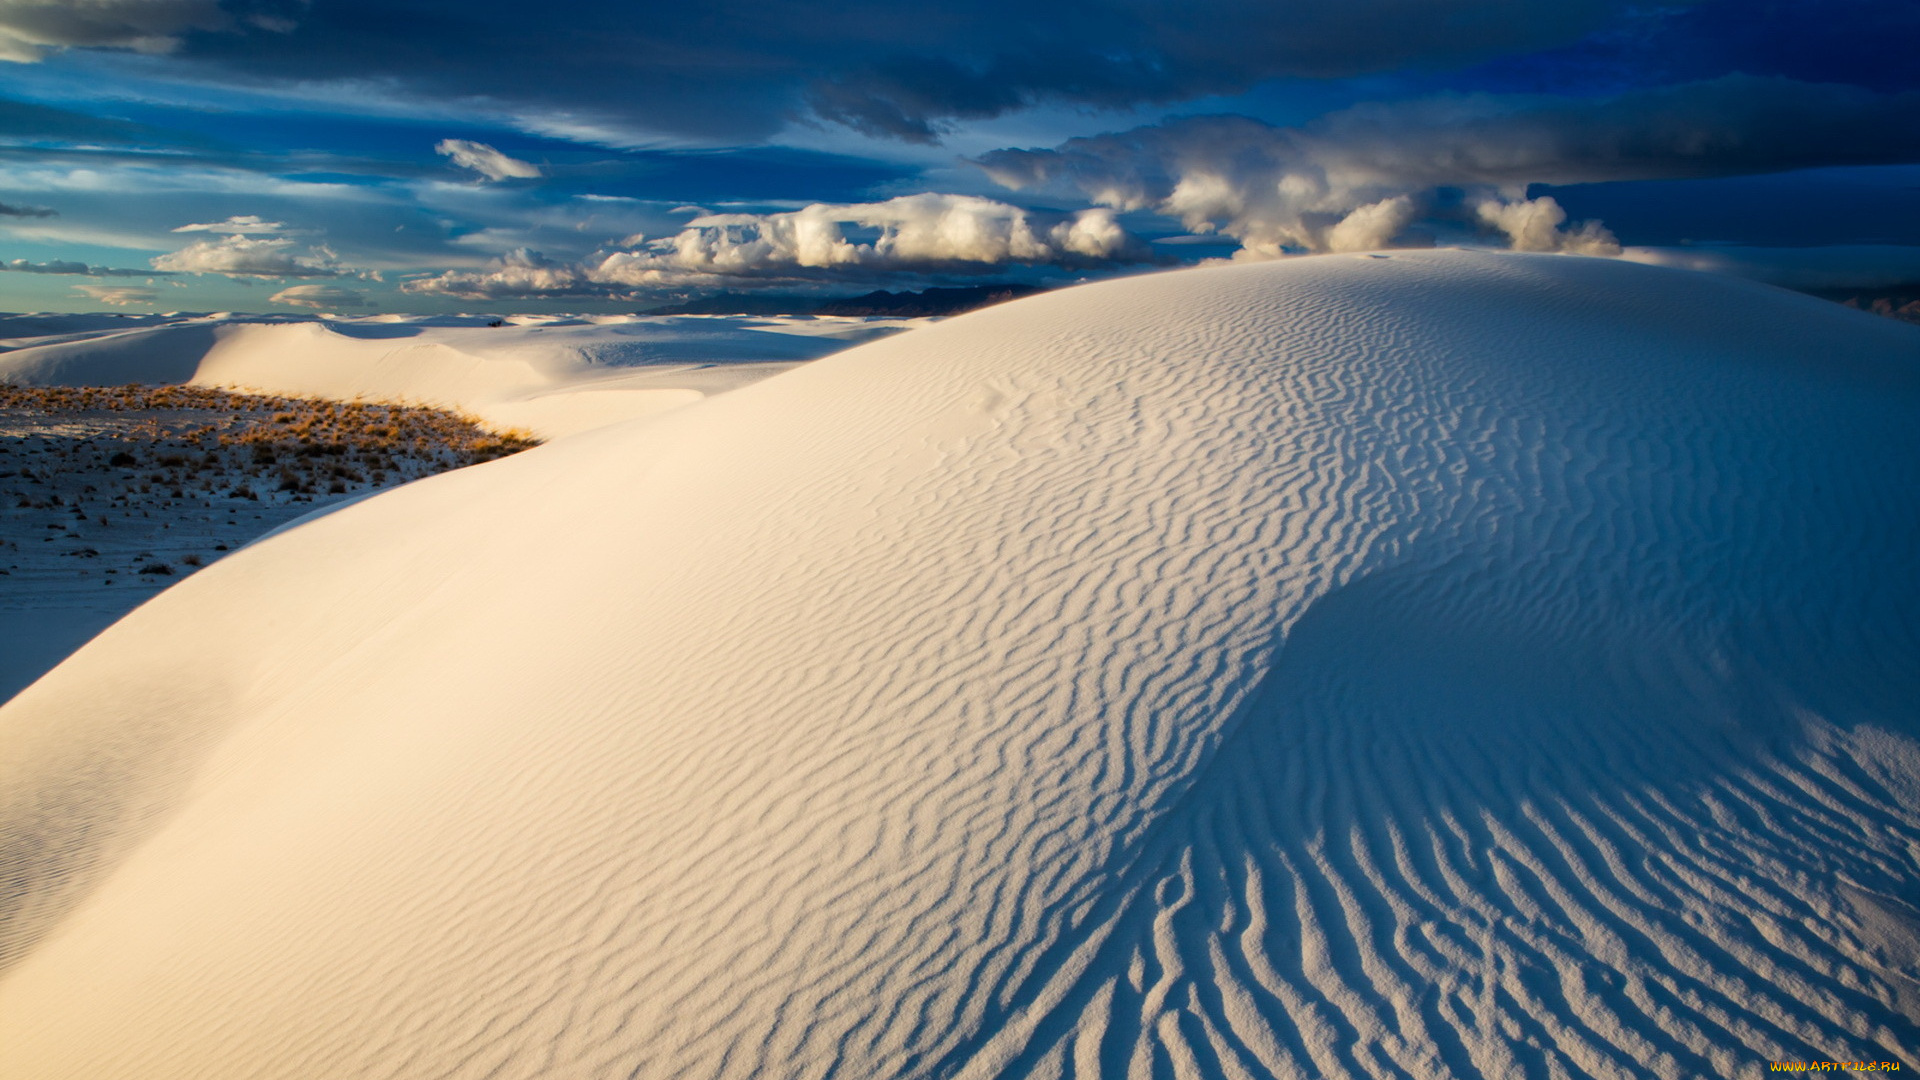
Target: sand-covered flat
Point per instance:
(1435, 664)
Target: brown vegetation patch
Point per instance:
(275, 425)
(144, 480)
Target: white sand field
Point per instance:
(1414, 665)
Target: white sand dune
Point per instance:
(554, 376)
(1436, 664)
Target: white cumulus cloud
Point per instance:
(485, 160)
(517, 274)
(1373, 226)
(247, 256)
(929, 233)
(1535, 225)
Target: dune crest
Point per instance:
(1444, 663)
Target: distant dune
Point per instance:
(926, 302)
(553, 375)
(1442, 663)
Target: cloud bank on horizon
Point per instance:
(439, 153)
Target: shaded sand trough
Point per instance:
(1436, 664)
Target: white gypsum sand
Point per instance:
(1438, 664)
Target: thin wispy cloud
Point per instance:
(1840, 266)
(239, 225)
(119, 295)
(63, 266)
(485, 160)
(318, 297)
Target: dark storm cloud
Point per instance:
(1723, 127)
(10, 210)
(730, 69)
(31, 28)
(1122, 54)
(1866, 43)
(1872, 204)
(1286, 187)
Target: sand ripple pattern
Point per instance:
(1443, 664)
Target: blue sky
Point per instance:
(603, 155)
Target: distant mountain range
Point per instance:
(1900, 302)
(902, 304)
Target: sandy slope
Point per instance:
(1444, 663)
(550, 375)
